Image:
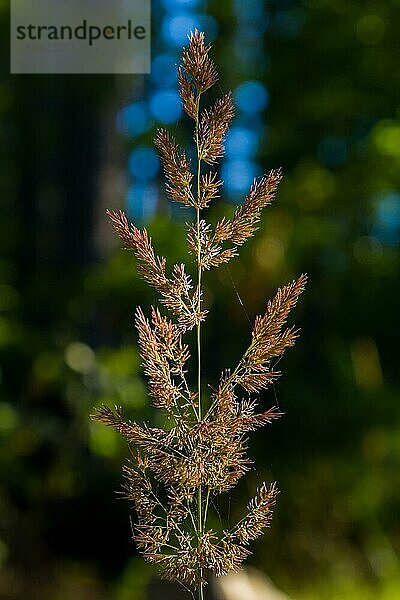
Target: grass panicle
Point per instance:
(174, 474)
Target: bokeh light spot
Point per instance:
(252, 97)
(133, 120)
(386, 137)
(366, 363)
(387, 226)
(104, 441)
(144, 163)
(142, 201)
(79, 357)
(389, 210)
(120, 363)
(166, 106)
(163, 70)
(239, 174)
(241, 142)
(176, 27)
(270, 253)
(370, 29)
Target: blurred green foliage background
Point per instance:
(68, 293)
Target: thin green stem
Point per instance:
(206, 509)
(199, 281)
(199, 274)
(191, 517)
(199, 269)
(201, 594)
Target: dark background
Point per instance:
(317, 86)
